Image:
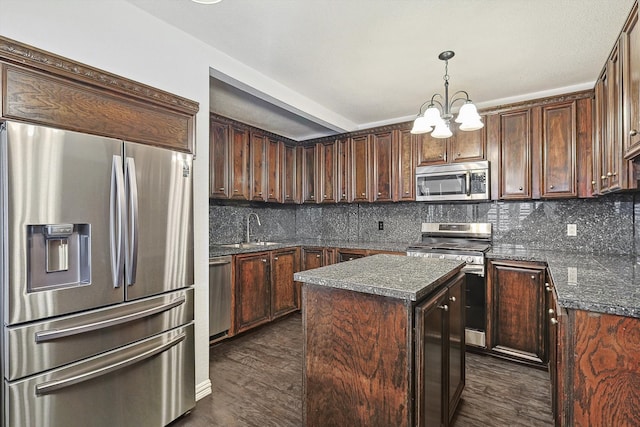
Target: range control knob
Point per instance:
(458, 258)
(470, 260)
(441, 257)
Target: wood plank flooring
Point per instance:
(257, 381)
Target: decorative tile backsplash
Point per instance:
(604, 225)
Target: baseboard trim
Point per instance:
(203, 389)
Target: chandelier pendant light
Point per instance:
(437, 117)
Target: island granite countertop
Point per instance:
(394, 276)
(598, 283)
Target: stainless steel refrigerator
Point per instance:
(97, 273)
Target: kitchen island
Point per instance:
(383, 341)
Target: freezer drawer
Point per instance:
(149, 383)
(45, 345)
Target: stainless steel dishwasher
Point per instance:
(219, 296)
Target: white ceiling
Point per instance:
(316, 67)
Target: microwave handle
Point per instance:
(468, 179)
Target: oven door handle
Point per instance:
(468, 182)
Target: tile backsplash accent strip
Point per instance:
(604, 225)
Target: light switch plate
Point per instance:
(572, 230)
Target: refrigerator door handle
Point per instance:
(132, 256)
(52, 386)
(55, 334)
(117, 221)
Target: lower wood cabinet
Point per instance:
(350, 254)
(516, 322)
(440, 358)
(315, 257)
(556, 344)
(264, 288)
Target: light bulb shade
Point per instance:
(442, 130)
(472, 125)
(467, 113)
(420, 126)
(432, 116)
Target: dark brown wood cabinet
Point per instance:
(284, 291)
(289, 174)
(360, 171)
(314, 257)
(431, 151)
(239, 163)
(558, 149)
(461, 147)
(309, 174)
(514, 150)
(440, 359)
(252, 291)
(404, 167)
(516, 322)
(219, 152)
(556, 344)
(343, 184)
(382, 165)
(343, 254)
(631, 83)
(613, 169)
(258, 169)
(273, 173)
(327, 171)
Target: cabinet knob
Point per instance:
(344, 195)
(593, 183)
(458, 154)
(311, 197)
(287, 196)
(260, 193)
(444, 307)
(363, 194)
(275, 258)
(554, 321)
(318, 256)
(551, 311)
(452, 299)
(350, 258)
(551, 187)
(221, 189)
(406, 192)
(270, 194)
(609, 174)
(603, 177)
(379, 194)
(235, 191)
(264, 260)
(633, 132)
(520, 188)
(533, 277)
(325, 196)
(440, 155)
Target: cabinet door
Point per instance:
(273, 170)
(343, 255)
(515, 155)
(431, 151)
(600, 135)
(405, 172)
(456, 303)
(516, 324)
(431, 402)
(360, 168)
(284, 292)
(312, 258)
(252, 290)
(239, 163)
(219, 156)
(614, 170)
(554, 315)
(343, 189)
(382, 144)
(631, 72)
(258, 167)
(328, 165)
(289, 173)
(468, 146)
(559, 150)
(309, 174)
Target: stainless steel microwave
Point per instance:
(453, 182)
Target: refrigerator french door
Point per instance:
(97, 254)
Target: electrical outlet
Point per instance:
(572, 274)
(380, 225)
(572, 230)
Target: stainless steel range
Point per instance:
(466, 242)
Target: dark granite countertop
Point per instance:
(402, 277)
(219, 250)
(592, 282)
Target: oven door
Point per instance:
(476, 311)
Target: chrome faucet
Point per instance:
(248, 218)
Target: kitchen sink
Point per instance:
(248, 245)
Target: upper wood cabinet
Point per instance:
(309, 174)
(631, 83)
(558, 149)
(514, 150)
(219, 151)
(258, 164)
(382, 164)
(327, 171)
(272, 172)
(289, 174)
(404, 166)
(239, 163)
(360, 171)
(461, 147)
(343, 188)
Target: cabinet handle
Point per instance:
(344, 195)
(260, 193)
(458, 154)
(603, 177)
(363, 194)
(264, 260)
(317, 256)
(287, 196)
(440, 156)
(452, 299)
(311, 197)
(554, 321)
(520, 188)
(548, 288)
(633, 132)
(325, 196)
(221, 189)
(444, 307)
(609, 174)
(379, 194)
(551, 187)
(551, 311)
(235, 191)
(275, 258)
(350, 258)
(593, 183)
(406, 192)
(270, 194)
(533, 277)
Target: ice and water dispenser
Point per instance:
(59, 255)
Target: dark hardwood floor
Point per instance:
(257, 381)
